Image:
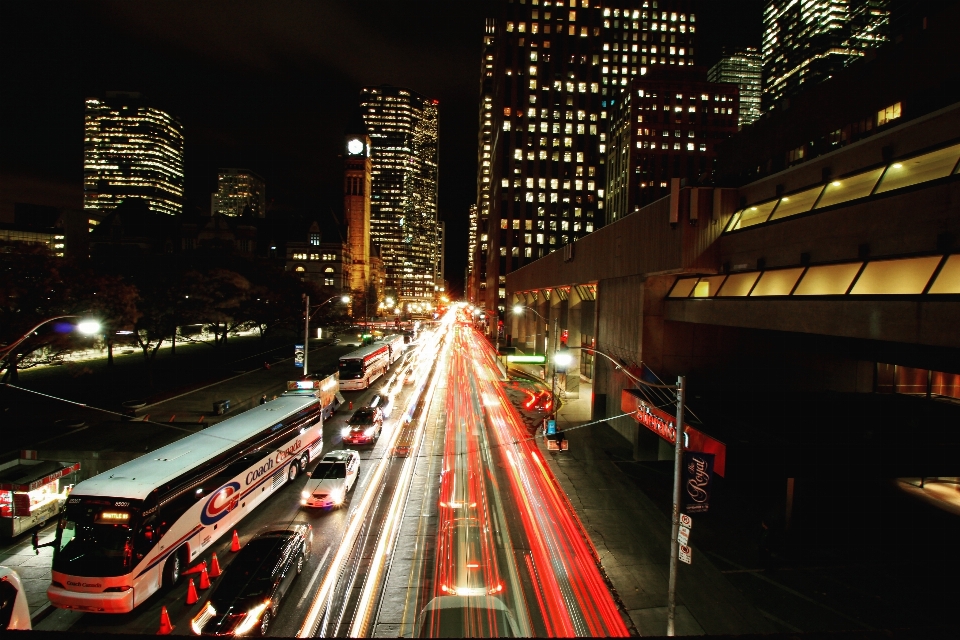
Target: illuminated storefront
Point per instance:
(31, 493)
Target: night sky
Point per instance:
(271, 86)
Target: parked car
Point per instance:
(246, 596)
(14, 611)
(332, 479)
(364, 426)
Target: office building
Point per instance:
(664, 134)
(131, 150)
(548, 73)
(404, 151)
(239, 193)
(805, 43)
(742, 66)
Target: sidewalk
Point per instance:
(632, 536)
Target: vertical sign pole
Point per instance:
(306, 334)
(675, 525)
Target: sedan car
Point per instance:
(364, 426)
(246, 596)
(332, 479)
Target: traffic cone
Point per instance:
(214, 567)
(235, 544)
(192, 593)
(165, 627)
(196, 568)
(351, 406)
(204, 580)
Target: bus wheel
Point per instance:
(293, 471)
(171, 570)
(304, 459)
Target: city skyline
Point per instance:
(290, 130)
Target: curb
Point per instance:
(42, 613)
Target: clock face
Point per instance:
(355, 147)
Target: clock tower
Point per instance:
(357, 176)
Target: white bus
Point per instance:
(397, 344)
(126, 532)
(358, 369)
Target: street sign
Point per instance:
(683, 536)
(551, 427)
(686, 521)
(298, 355)
(686, 554)
(527, 359)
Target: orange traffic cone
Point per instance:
(204, 580)
(235, 544)
(192, 593)
(165, 627)
(196, 568)
(214, 567)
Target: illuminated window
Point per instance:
(796, 203)
(777, 282)
(929, 166)
(826, 280)
(887, 114)
(903, 276)
(738, 284)
(948, 280)
(849, 188)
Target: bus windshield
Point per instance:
(351, 368)
(87, 549)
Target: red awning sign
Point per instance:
(36, 484)
(664, 425)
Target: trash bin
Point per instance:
(220, 407)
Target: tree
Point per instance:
(216, 298)
(112, 302)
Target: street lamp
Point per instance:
(518, 310)
(306, 324)
(87, 327)
(679, 437)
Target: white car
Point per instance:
(331, 480)
(14, 612)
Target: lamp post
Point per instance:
(679, 437)
(87, 327)
(518, 310)
(306, 324)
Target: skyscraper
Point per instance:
(547, 75)
(402, 126)
(131, 150)
(742, 66)
(807, 42)
(664, 131)
(239, 191)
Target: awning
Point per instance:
(29, 477)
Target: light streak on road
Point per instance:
(357, 518)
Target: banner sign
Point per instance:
(551, 427)
(663, 424)
(298, 355)
(697, 474)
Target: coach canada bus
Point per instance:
(358, 369)
(127, 532)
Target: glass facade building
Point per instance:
(239, 191)
(742, 66)
(548, 73)
(404, 222)
(131, 150)
(807, 42)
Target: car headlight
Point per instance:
(345, 432)
(369, 431)
(337, 495)
(251, 618)
(304, 494)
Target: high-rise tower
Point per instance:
(807, 42)
(131, 150)
(402, 126)
(239, 192)
(548, 72)
(742, 66)
(357, 177)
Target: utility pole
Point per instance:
(306, 333)
(556, 322)
(675, 527)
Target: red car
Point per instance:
(364, 426)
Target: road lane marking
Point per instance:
(316, 574)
